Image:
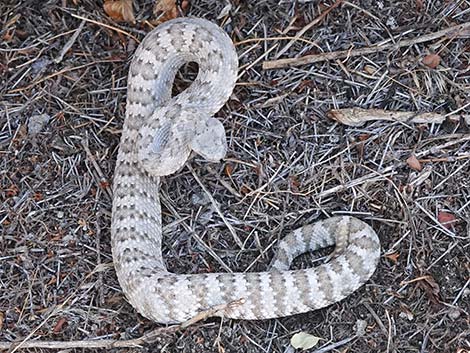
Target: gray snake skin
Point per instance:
(158, 136)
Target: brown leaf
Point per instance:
(413, 163)
(446, 219)
(1, 320)
(258, 170)
(114, 299)
(244, 190)
(120, 10)
(393, 257)
(363, 137)
(229, 169)
(369, 69)
(7, 36)
(419, 4)
(165, 10)
(432, 60)
(360, 149)
(432, 288)
(37, 196)
(304, 85)
(12, 191)
(59, 325)
(406, 312)
(104, 184)
(294, 183)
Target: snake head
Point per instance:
(209, 139)
(165, 143)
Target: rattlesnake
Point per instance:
(159, 133)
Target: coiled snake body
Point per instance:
(158, 136)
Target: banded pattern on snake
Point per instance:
(159, 133)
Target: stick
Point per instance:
(359, 116)
(69, 43)
(105, 343)
(217, 310)
(450, 32)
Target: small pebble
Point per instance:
(36, 123)
(200, 199)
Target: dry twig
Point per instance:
(359, 116)
(106, 343)
(314, 58)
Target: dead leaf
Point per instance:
(120, 10)
(303, 340)
(446, 219)
(104, 184)
(369, 69)
(12, 191)
(59, 325)
(244, 190)
(419, 4)
(229, 169)
(305, 85)
(360, 149)
(406, 312)
(8, 36)
(294, 183)
(432, 288)
(1, 320)
(114, 299)
(258, 170)
(37, 196)
(225, 11)
(165, 10)
(414, 163)
(432, 60)
(363, 137)
(393, 257)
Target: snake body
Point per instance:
(159, 133)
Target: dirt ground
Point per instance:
(63, 68)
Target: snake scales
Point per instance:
(159, 133)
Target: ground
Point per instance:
(61, 111)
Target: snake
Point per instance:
(160, 133)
